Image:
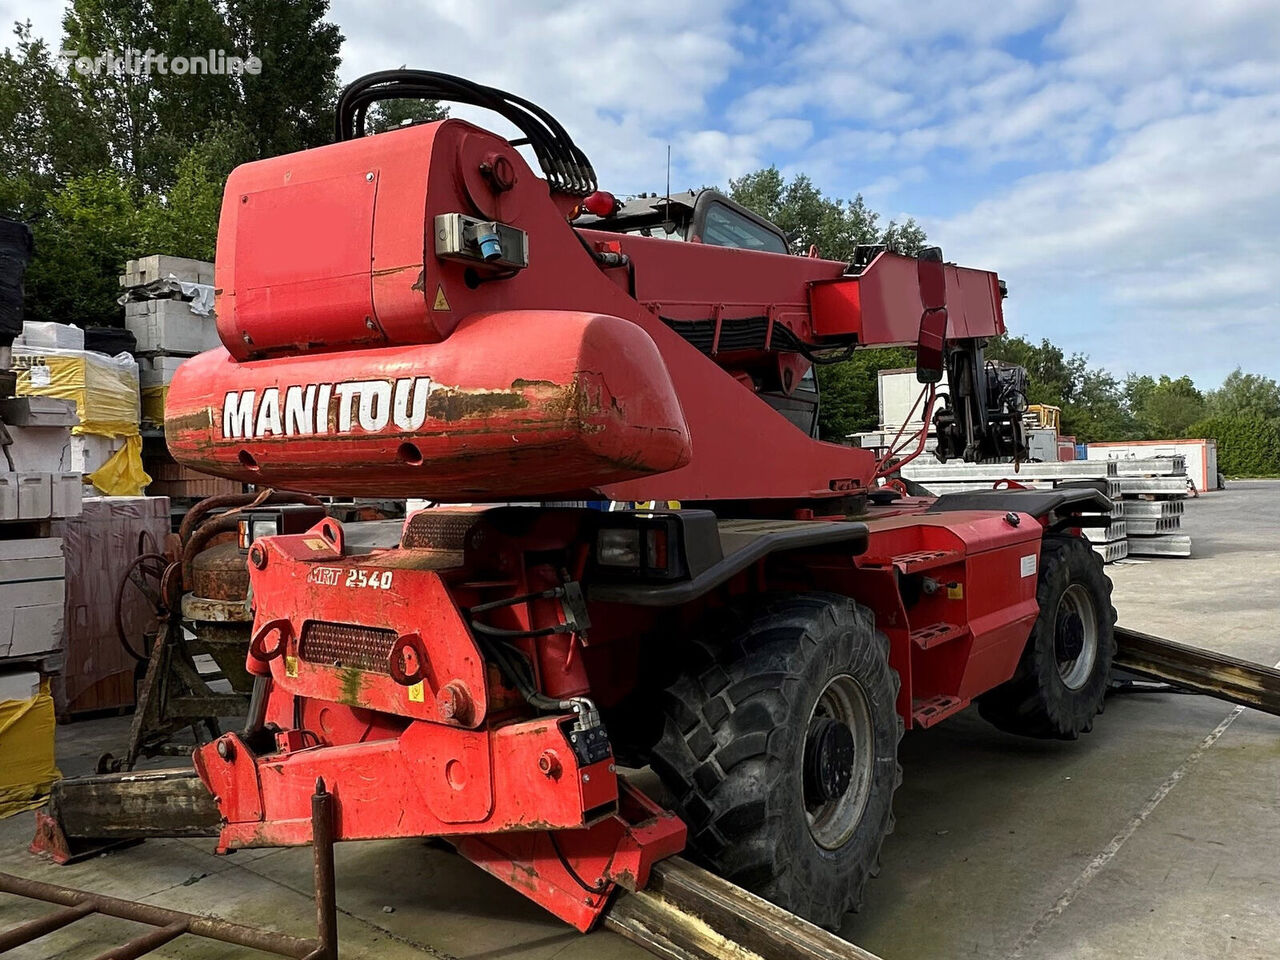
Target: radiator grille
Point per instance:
(427, 530)
(365, 648)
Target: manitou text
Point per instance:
(312, 409)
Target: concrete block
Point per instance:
(89, 452)
(47, 335)
(158, 371)
(1111, 552)
(169, 326)
(1113, 531)
(35, 496)
(1163, 545)
(40, 449)
(1149, 526)
(144, 270)
(68, 494)
(31, 616)
(8, 496)
(37, 558)
(38, 411)
(1151, 509)
(1153, 486)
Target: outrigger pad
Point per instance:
(1037, 503)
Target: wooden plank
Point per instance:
(154, 803)
(687, 913)
(1204, 671)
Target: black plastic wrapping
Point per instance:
(16, 246)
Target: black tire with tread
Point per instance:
(735, 722)
(1035, 702)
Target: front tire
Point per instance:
(1062, 677)
(780, 744)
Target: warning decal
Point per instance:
(440, 302)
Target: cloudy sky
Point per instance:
(1117, 162)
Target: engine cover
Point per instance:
(517, 404)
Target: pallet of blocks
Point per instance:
(182, 486)
(1154, 492)
(75, 411)
(1109, 542)
(32, 590)
(168, 307)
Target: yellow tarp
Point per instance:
(153, 401)
(122, 475)
(27, 768)
(105, 391)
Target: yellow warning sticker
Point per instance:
(316, 543)
(955, 591)
(440, 302)
(415, 692)
(290, 666)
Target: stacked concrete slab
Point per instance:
(1110, 542)
(1154, 491)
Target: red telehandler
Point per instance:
(658, 564)
(416, 313)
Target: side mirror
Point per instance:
(931, 346)
(932, 341)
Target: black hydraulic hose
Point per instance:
(511, 665)
(567, 168)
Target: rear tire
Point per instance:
(780, 743)
(1062, 677)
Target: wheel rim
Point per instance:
(1075, 636)
(839, 759)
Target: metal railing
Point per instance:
(170, 924)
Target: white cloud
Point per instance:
(1123, 156)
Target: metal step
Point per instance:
(926, 713)
(1161, 545)
(926, 638)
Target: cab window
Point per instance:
(725, 227)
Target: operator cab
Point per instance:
(700, 216)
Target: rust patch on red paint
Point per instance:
(454, 403)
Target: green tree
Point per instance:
(1248, 444)
(812, 219)
(184, 221)
(1246, 394)
(1163, 408)
(849, 401)
(152, 115)
(109, 164)
(92, 226)
(289, 104)
(50, 133)
(1093, 403)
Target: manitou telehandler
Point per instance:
(658, 564)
